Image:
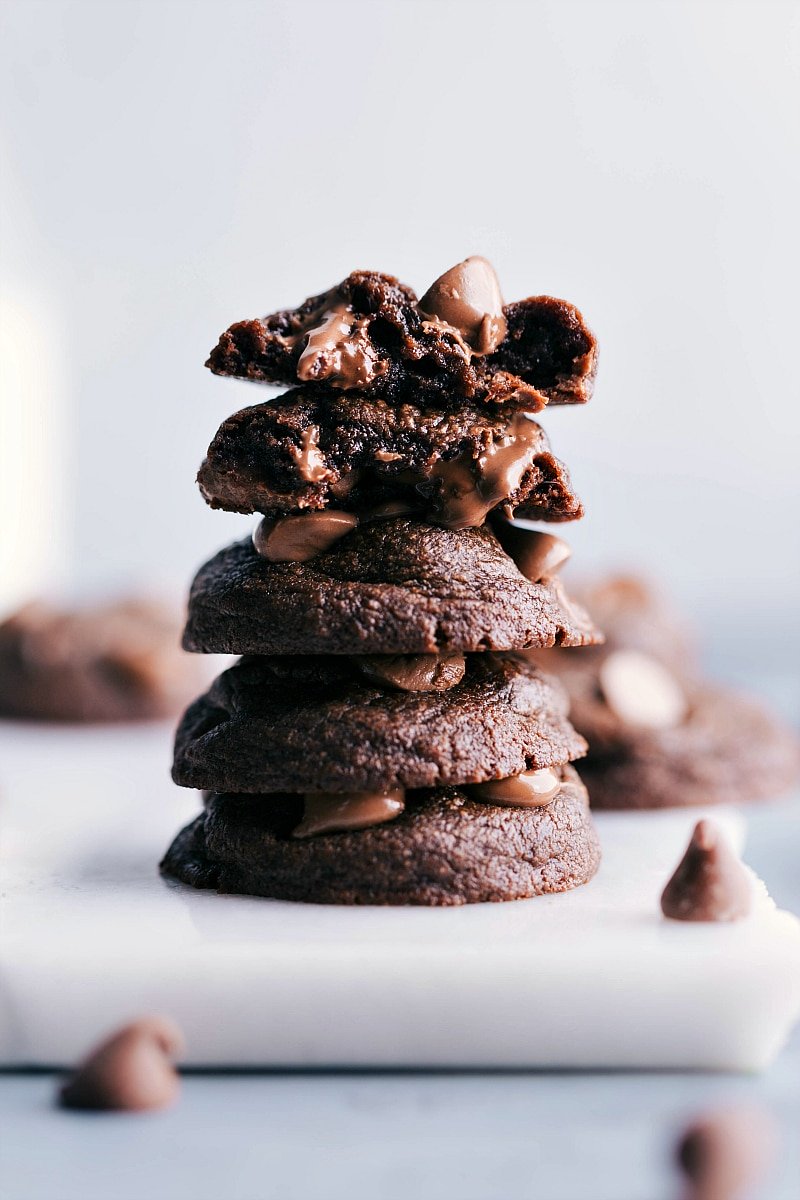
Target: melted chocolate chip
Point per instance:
(300, 538)
(531, 789)
(538, 555)
(328, 812)
(414, 672)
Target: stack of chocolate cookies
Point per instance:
(382, 740)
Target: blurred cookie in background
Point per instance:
(659, 734)
(114, 661)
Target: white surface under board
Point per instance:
(91, 936)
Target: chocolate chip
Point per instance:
(414, 672)
(724, 1154)
(538, 555)
(531, 789)
(328, 812)
(710, 882)
(641, 691)
(297, 539)
(468, 297)
(131, 1071)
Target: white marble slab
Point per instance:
(91, 936)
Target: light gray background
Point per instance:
(170, 167)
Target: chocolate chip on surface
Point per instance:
(724, 1154)
(129, 1072)
(300, 538)
(710, 883)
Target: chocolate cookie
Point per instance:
(727, 750)
(315, 448)
(371, 334)
(392, 587)
(112, 662)
(658, 736)
(443, 849)
(320, 725)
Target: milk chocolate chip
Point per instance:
(531, 789)
(297, 539)
(131, 1071)
(340, 351)
(724, 1154)
(641, 691)
(471, 488)
(309, 459)
(331, 812)
(710, 882)
(414, 672)
(387, 510)
(538, 555)
(468, 297)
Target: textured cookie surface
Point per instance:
(119, 661)
(444, 849)
(315, 448)
(300, 724)
(729, 750)
(548, 354)
(391, 587)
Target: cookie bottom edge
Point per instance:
(444, 850)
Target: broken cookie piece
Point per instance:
(371, 334)
(453, 467)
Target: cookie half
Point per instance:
(316, 448)
(444, 849)
(728, 750)
(316, 725)
(370, 334)
(391, 587)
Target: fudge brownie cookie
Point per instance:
(371, 334)
(315, 448)
(726, 750)
(390, 587)
(444, 848)
(320, 724)
(658, 736)
(112, 662)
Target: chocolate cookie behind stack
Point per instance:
(660, 736)
(379, 742)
